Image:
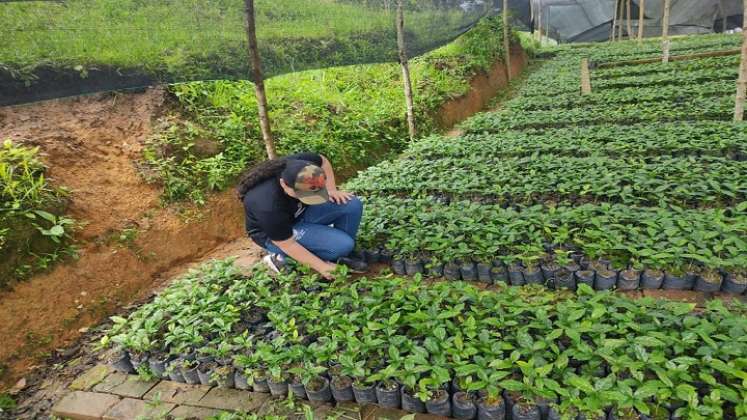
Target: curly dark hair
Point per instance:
(259, 173)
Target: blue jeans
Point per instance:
(327, 230)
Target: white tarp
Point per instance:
(591, 20)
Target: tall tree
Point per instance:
(405, 69)
(742, 80)
(259, 83)
(665, 31)
(506, 40)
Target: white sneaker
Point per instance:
(274, 261)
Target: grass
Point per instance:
(205, 39)
(6, 402)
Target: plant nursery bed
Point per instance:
(446, 348)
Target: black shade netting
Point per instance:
(52, 49)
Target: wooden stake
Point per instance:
(506, 40)
(539, 22)
(641, 19)
(586, 77)
(630, 24)
(665, 32)
(620, 13)
(533, 19)
(259, 84)
(742, 81)
(614, 23)
(405, 69)
(723, 15)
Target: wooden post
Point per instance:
(665, 32)
(722, 11)
(586, 77)
(539, 22)
(742, 80)
(630, 24)
(641, 19)
(620, 13)
(506, 40)
(533, 19)
(259, 84)
(614, 22)
(405, 69)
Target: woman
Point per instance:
(293, 208)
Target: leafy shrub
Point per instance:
(33, 231)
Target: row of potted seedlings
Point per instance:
(599, 275)
(445, 348)
(452, 400)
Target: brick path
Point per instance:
(101, 393)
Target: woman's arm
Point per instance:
(337, 196)
(295, 250)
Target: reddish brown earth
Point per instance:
(91, 145)
(484, 88)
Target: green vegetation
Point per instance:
(205, 39)
(671, 239)
(7, 403)
(353, 115)
(33, 230)
(580, 193)
(646, 173)
(585, 352)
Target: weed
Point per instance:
(7, 403)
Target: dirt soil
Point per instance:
(484, 88)
(91, 145)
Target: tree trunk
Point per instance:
(506, 40)
(630, 23)
(405, 69)
(614, 23)
(742, 81)
(259, 84)
(665, 32)
(641, 20)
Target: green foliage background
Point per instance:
(182, 40)
(354, 115)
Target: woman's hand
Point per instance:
(339, 197)
(327, 271)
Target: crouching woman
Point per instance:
(294, 209)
